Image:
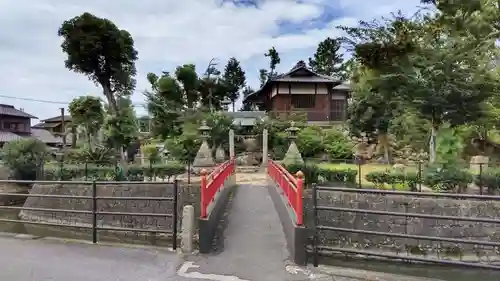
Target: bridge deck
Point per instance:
(254, 241)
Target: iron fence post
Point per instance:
(94, 212)
(359, 174)
(174, 230)
(480, 178)
(419, 176)
(315, 223)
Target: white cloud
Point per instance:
(167, 33)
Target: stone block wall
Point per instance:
(413, 226)
(188, 195)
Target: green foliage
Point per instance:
(164, 104)
(274, 60)
(313, 174)
(122, 129)
(150, 151)
(310, 141)
(337, 145)
(449, 147)
(87, 112)
(187, 76)
(24, 157)
(490, 178)
(98, 154)
(107, 172)
(97, 48)
(447, 179)
(234, 78)
(328, 59)
(400, 179)
(185, 146)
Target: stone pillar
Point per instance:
(204, 156)
(231, 144)
(264, 147)
(293, 155)
(188, 229)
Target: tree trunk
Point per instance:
(233, 105)
(73, 139)
(432, 144)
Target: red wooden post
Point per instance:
(298, 207)
(203, 193)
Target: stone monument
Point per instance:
(231, 144)
(264, 147)
(293, 155)
(204, 157)
(220, 155)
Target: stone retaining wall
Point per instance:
(414, 226)
(188, 195)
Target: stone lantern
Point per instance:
(293, 155)
(204, 156)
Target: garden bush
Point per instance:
(109, 172)
(397, 179)
(337, 145)
(313, 174)
(490, 178)
(23, 157)
(450, 178)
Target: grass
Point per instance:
(366, 169)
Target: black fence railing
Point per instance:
(93, 210)
(352, 217)
(478, 178)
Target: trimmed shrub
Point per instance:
(313, 174)
(96, 172)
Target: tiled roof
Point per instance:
(8, 136)
(40, 134)
(46, 125)
(343, 86)
(44, 136)
(58, 119)
(10, 110)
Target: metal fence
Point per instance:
(320, 249)
(94, 197)
(411, 173)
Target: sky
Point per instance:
(167, 33)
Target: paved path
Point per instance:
(254, 246)
(51, 260)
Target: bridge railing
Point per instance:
(212, 184)
(291, 186)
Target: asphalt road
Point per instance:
(51, 260)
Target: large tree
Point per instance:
(97, 48)
(187, 76)
(87, 112)
(234, 78)
(328, 60)
(165, 104)
(274, 60)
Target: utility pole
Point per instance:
(63, 127)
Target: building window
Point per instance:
(338, 110)
(303, 101)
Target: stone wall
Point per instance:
(188, 195)
(414, 226)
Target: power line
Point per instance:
(56, 102)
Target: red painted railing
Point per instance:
(213, 183)
(291, 187)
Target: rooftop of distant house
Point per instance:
(10, 110)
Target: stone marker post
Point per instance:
(204, 156)
(231, 144)
(264, 147)
(187, 229)
(293, 155)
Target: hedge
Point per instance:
(97, 172)
(314, 174)
(439, 179)
(381, 178)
